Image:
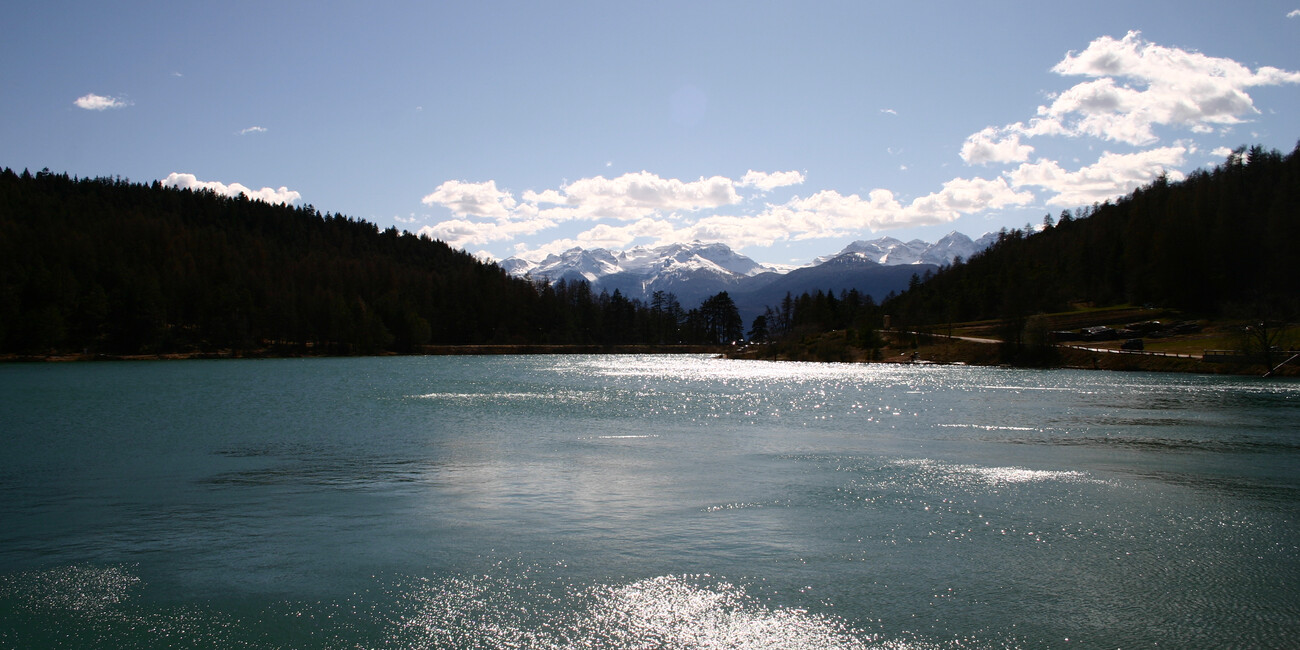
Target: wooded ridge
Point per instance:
(108, 266)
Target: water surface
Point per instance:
(643, 501)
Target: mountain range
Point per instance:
(695, 271)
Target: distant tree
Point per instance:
(721, 319)
(1266, 340)
(758, 330)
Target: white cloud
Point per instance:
(1170, 86)
(666, 210)
(740, 231)
(627, 198)
(1135, 87)
(831, 214)
(962, 196)
(1295, 13)
(823, 214)
(608, 236)
(253, 129)
(190, 182)
(1111, 176)
(461, 232)
(768, 182)
(994, 145)
(472, 199)
(553, 197)
(632, 196)
(93, 102)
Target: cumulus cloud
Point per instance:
(1111, 176)
(962, 196)
(472, 199)
(1134, 87)
(93, 102)
(460, 232)
(632, 196)
(266, 194)
(253, 129)
(627, 198)
(995, 145)
(643, 206)
(830, 214)
(1295, 13)
(1138, 85)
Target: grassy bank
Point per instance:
(980, 343)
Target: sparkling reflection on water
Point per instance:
(643, 501)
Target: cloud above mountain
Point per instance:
(1133, 94)
(644, 205)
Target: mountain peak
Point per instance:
(688, 268)
(893, 252)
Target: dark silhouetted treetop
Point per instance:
(105, 265)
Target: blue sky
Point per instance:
(784, 129)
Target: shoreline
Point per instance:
(961, 353)
(427, 350)
(986, 353)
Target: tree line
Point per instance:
(1220, 243)
(107, 265)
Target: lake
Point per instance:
(643, 502)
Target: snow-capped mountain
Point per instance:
(644, 261)
(693, 255)
(691, 271)
(573, 264)
(695, 271)
(893, 252)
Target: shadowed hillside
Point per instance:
(1221, 243)
(108, 266)
(1218, 246)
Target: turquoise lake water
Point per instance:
(643, 502)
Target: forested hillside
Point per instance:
(105, 265)
(1222, 242)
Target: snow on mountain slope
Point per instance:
(695, 270)
(696, 257)
(893, 252)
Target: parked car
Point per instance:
(1099, 334)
